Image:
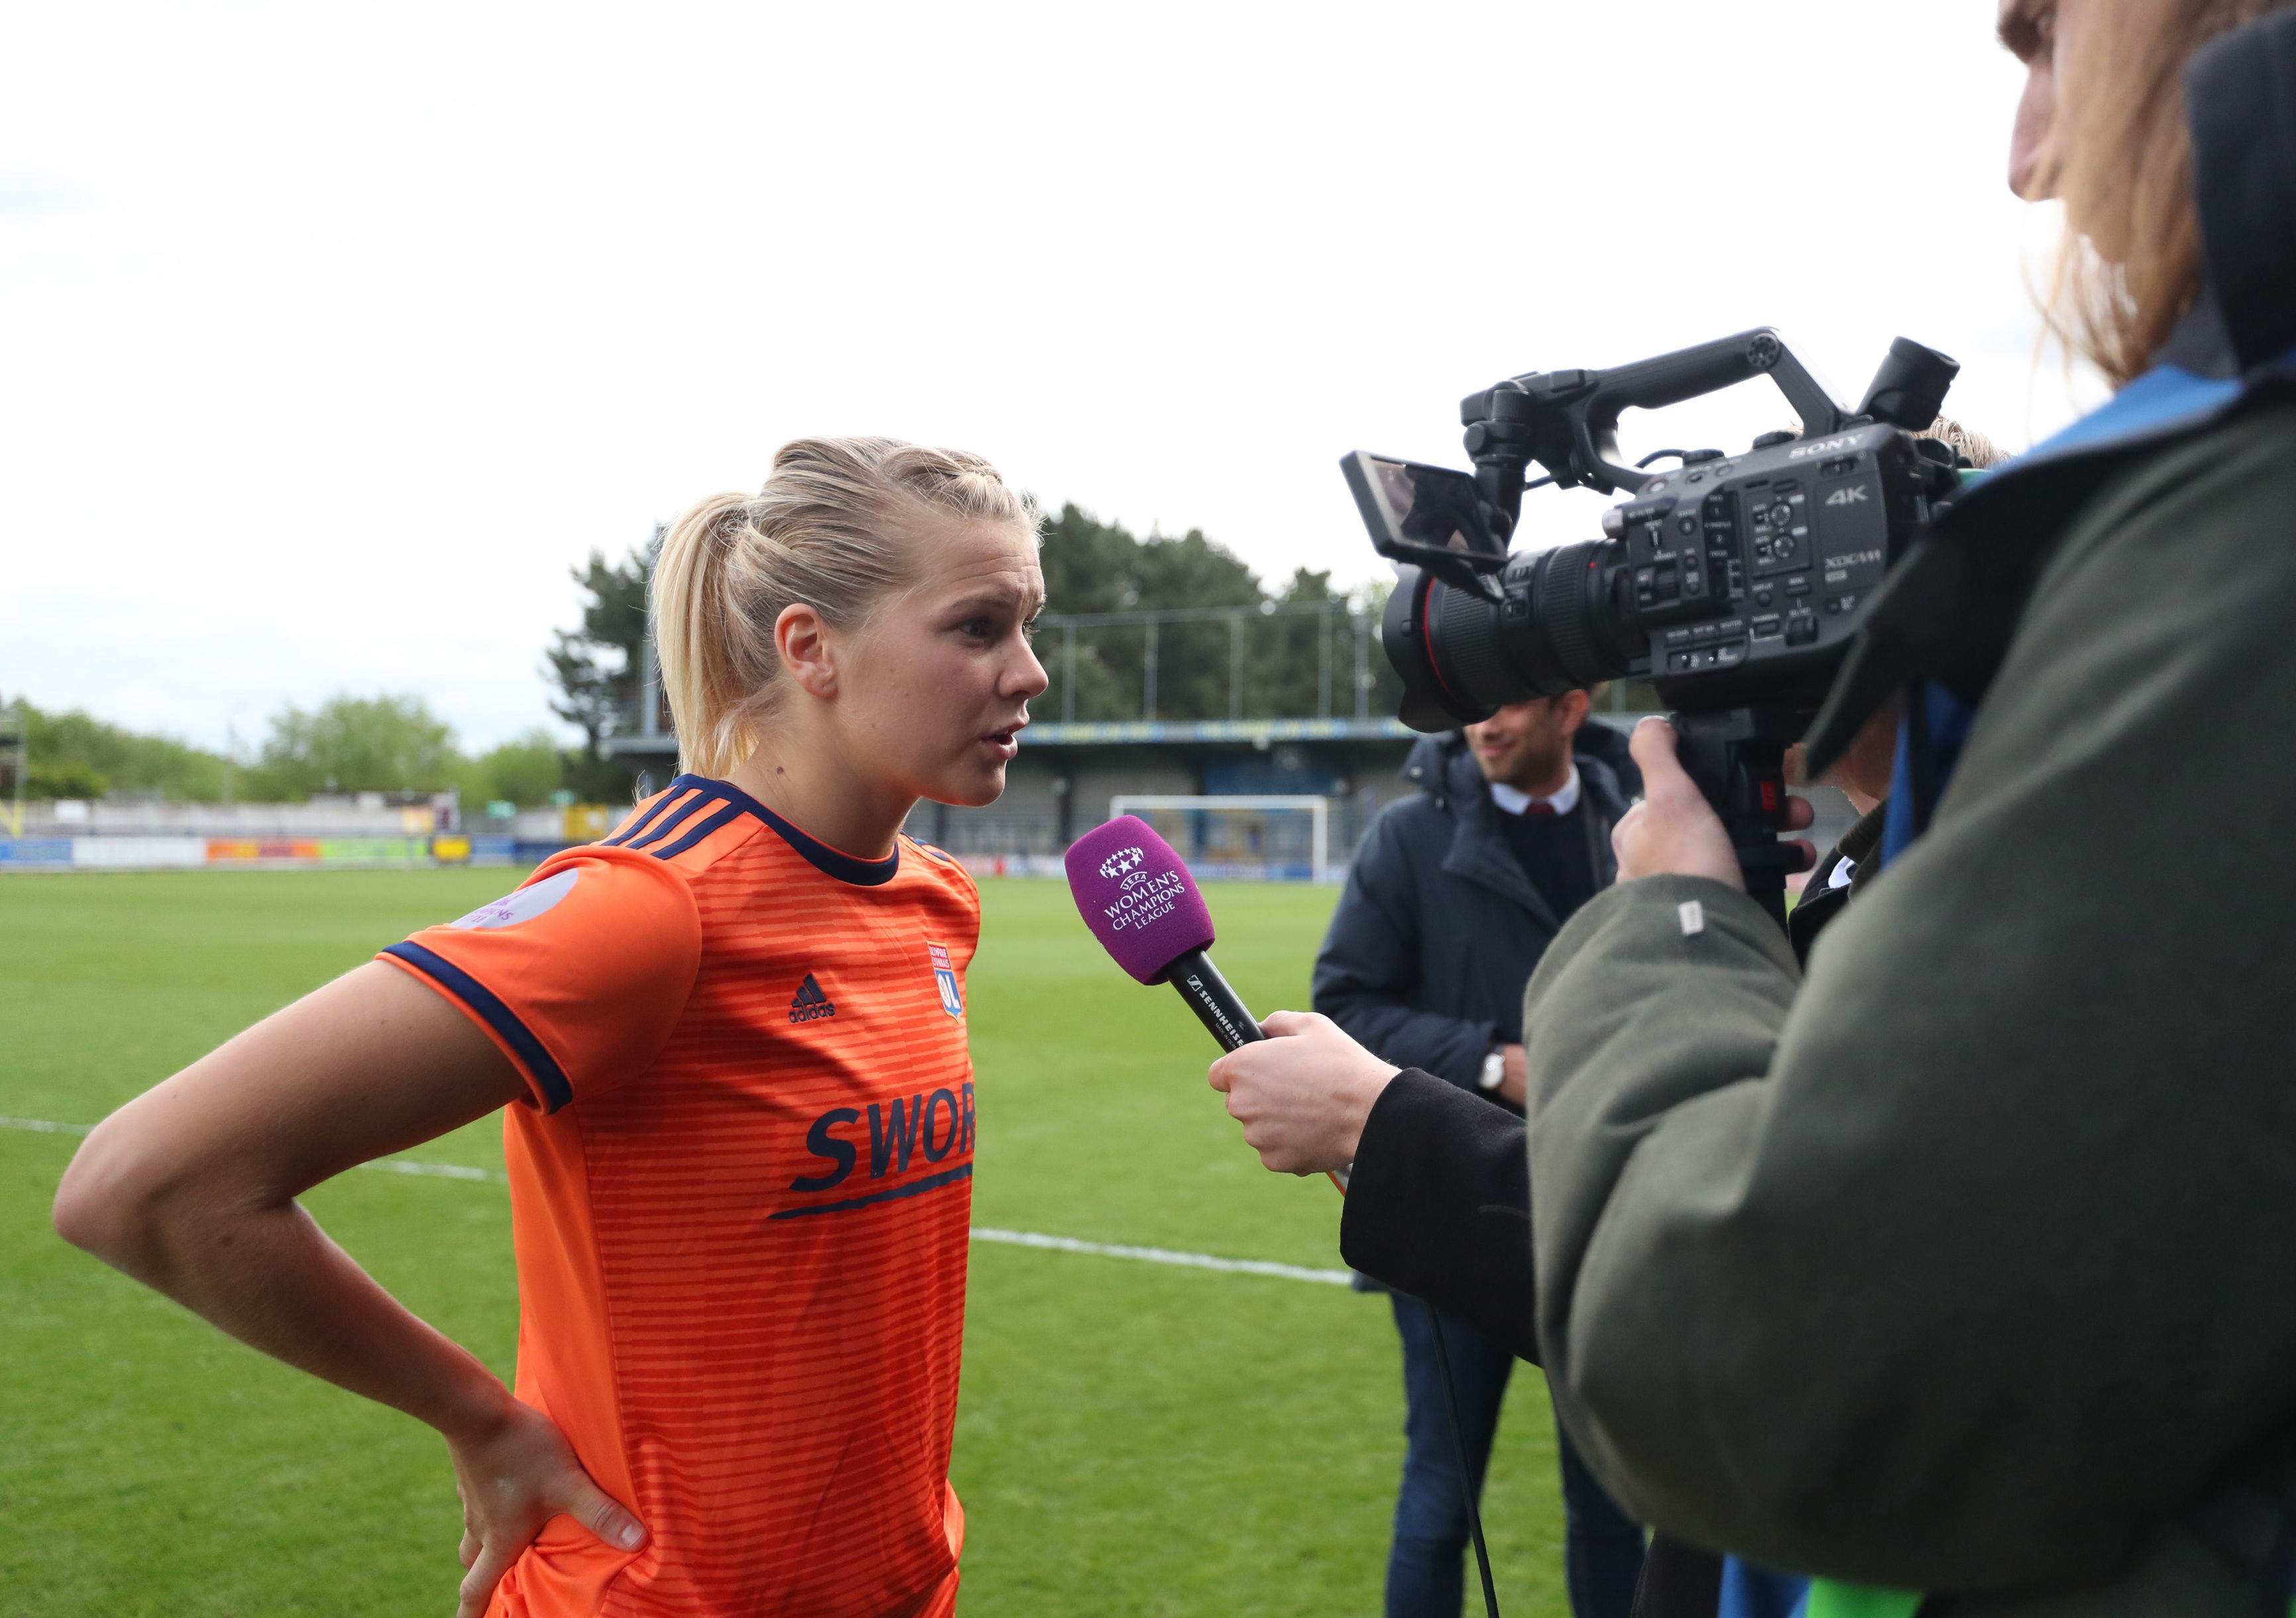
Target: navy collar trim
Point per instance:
(819, 855)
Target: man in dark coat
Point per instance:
(1451, 900)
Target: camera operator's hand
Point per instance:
(1674, 832)
(1302, 1093)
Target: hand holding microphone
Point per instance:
(1303, 1093)
(1302, 1089)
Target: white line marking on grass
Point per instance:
(1010, 1238)
(41, 1126)
(1160, 1256)
(407, 1165)
(395, 1165)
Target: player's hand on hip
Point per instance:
(514, 1478)
(1302, 1093)
(1674, 831)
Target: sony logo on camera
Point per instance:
(1823, 447)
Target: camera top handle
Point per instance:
(1567, 421)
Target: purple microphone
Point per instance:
(1136, 896)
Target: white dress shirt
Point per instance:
(1516, 802)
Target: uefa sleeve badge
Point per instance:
(520, 905)
(952, 999)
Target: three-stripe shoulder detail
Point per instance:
(671, 810)
(693, 807)
(686, 815)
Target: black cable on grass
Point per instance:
(1459, 1449)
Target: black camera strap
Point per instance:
(1459, 1450)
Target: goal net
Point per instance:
(1241, 839)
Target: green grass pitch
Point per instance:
(1133, 1438)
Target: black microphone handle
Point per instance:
(1221, 1010)
(1215, 1003)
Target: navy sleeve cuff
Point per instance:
(532, 1055)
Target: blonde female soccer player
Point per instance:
(730, 1044)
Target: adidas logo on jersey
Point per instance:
(811, 1004)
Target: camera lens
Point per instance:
(1462, 656)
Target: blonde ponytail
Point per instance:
(828, 530)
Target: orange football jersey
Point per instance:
(741, 1196)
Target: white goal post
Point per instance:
(1318, 810)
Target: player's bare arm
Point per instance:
(191, 1188)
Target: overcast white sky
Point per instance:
(333, 334)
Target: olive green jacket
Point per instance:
(1968, 1265)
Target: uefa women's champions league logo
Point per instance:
(1142, 897)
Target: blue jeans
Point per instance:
(1426, 1572)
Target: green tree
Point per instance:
(357, 745)
(1283, 670)
(64, 778)
(524, 770)
(1369, 600)
(1091, 566)
(598, 668)
(74, 755)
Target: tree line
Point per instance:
(1092, 567)
(351, 743)
(345, 744)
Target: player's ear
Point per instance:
(801, 641)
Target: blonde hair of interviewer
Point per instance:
(834, 528)
(2120, 158)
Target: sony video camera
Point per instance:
(1732, 583)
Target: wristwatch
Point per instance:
(1494, 1072)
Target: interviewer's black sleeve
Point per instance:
(1440, 1206)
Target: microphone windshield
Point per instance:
(1136, 896)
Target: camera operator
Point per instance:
(1451, 899)
(1960, 1264)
